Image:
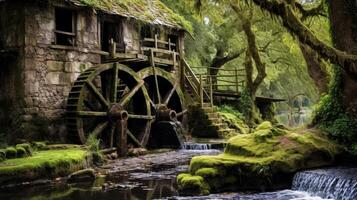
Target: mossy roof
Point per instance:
(149, 11)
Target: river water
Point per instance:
(153, 177)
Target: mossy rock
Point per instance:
(2, 155)
(10, 152)
(44, 164)
(266, 158)
(20, 152)
(84, 175)
(192, 184)
(27, 148)
(39, 145)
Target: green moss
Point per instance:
(192, 183)
(234, 118)
(2, 155)
(154, 12)
(27, 148)
(264, 126)
(258, 160)
(43, 164)
(10, 152)
(38, 145)
(20, 152)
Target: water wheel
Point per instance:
(167, 104)
(109, 102)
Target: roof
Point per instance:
(149, 11)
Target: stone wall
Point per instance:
(51, 69)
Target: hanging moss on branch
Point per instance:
(285, 11)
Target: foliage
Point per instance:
(234, 118)
(331, 116)
(93, 145)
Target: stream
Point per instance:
(153, 176)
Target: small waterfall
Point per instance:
(339, 183)
(196, 146)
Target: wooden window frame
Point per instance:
(72, 34)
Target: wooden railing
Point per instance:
(204, 86)
(164, 51)
(229, 80)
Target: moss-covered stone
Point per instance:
(192, 184)
(20, 152)
(10, 152)
(39, 145)
(43, 164)
(264, 158)
(2, 155)
(27, 148)
(233, 118)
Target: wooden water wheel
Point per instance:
(165, 95)
(117, 105)
(106, 100)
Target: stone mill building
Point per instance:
(46, 44)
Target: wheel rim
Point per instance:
(102, 95)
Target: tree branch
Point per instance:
(347, 62)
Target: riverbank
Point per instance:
(45, 163)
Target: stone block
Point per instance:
(53, 78)
(55, 66)
(65, 78)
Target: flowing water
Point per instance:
(196, 146)
(154, 177)
(337, 183)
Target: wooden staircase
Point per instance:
(216, 120)
(195, 89)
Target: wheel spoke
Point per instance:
(181, 113)
(99, 129)
(91, 114)
(134, 138)
(145, 137)
(147, 117)
(169, 95)
(99, 96)
(114, 84)
(128, 96)
(112, 132)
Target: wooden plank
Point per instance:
(65, 33)
(158, 41)
(158, 50)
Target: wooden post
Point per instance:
(156, 45)
(122, 139)
(237, 82)
(201, 90)
(113, 48)
(169, 44)
(211, 90)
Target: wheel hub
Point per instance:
(163, 113)
(116, 112)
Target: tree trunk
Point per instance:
(343, 18)
(316, 68)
